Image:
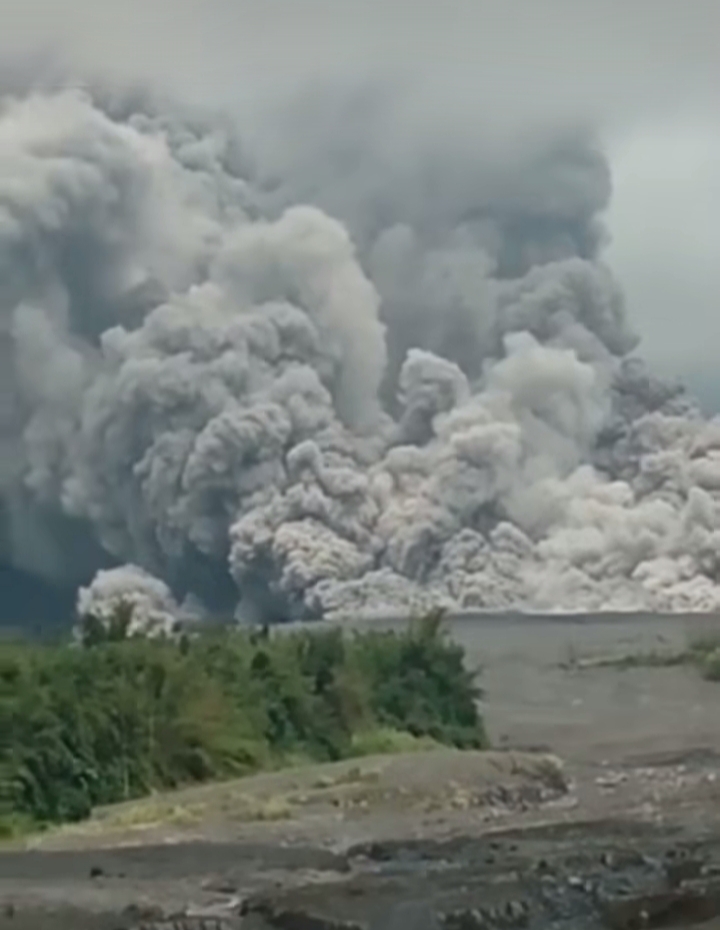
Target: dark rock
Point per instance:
(299, 919)
(136, 914)
(465, 920)
(690, 904)
(679, 871)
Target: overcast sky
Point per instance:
(645, 73)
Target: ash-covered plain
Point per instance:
(354, 366)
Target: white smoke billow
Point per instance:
(153, 610)
(396, 374)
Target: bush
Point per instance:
(419, 683)
(118, 718)
(710, 665)
(384, 741)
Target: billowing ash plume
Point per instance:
(151, 608)
(386, 369)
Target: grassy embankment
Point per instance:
(702, 653)
(117, 718)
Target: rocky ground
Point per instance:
(624, 834)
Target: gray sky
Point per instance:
(646, 73)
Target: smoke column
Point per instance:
(371, 367)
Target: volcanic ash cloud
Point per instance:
(407, 380)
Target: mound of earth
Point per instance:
(218, 844)
(384, 795)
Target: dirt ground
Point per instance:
(624, 833)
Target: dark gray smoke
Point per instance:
(436, 210)
(379, 363)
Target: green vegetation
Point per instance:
(116, 718)
(703, 653)
(630, 660)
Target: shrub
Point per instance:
(419, 683)
(118, 718)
